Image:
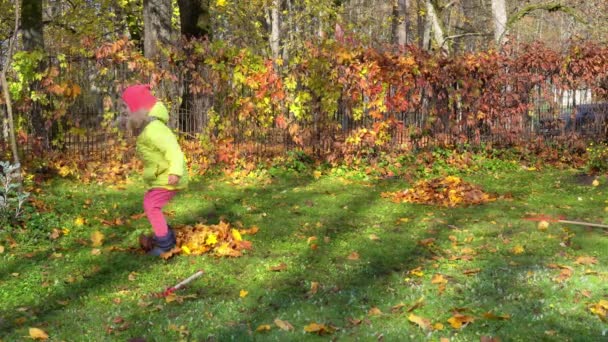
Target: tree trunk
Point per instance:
(4, 84)
(275, 34)
(33, 39)
(435, 23)
(499, 18)
(400, 22)
(157, 26)
(194, 18)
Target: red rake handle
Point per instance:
(183, 283)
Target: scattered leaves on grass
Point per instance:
(416, 305)
(543, 225)
(320, 329)
(565, 272)
(519, 249)
(79, 221)
(38, 334)
(283, 325)
(447, 191)
(374, 312)
(243, 293)
(423, 323)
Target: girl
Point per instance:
(165, 171)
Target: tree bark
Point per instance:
(31, 25)
(194, 18)
(435, 23)
(275, 34)
(157, 26)
(400, 21)
(4, 85)
(499, 19)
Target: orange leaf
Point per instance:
(353, 256)
(281, 267)
(374, 312)
(97, 238)
(263, 328)
(586, 260)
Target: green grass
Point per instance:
(73, 295)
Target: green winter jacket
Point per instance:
(160, 153)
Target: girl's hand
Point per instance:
(173, 179)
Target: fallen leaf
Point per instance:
(374, 237)
(600, 309)
(543, 225)
(423, 323)
(320, 329)
(374, 312)
(437, 326)
(263, 328)
(132, 276)
(243, 293)
(416, 305)
(1, 249)
(519, 249)
(397, 308)
(95, 251)
(314, 287)
(38, 334)
(586, 260)
(490, 315)
(471, 271)
(55, 234)
(417, 271)
(79, 221)
(283, 325)
(353, 256)
(489, 339)
(97, 238)
(595, 182)
(426, 242)
(564, 275)
(458, 320)
(438, 279)
(281, 267)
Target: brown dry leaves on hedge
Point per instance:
(447, 191)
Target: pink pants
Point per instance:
(154, 201)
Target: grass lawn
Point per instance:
(374, 269)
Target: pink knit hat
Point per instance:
(138, 97)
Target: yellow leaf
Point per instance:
(186, 250)
(95, 251)
(211, 240)
(320, 329)
(263, 328)
(458, 320)
(314, 287)
(243, 293)
(283, 325)
(543, 225)
(595, 182)
(1, 249)
(374, 237)
(38, 334)
(236, 235)
(417, 271)
(438, 326)
(519, 249)
(220, 3)
(421, 322)
(316, 174)
(79, 221)
(490, 315)
(171, 297)
(97, 238)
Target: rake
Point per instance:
(183, 283)
(561, 219)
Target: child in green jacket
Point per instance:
(165, 171)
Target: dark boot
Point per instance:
(163, 244)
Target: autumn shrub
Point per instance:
(12, 196)
(597, 158)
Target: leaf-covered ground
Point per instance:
(331, 258)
